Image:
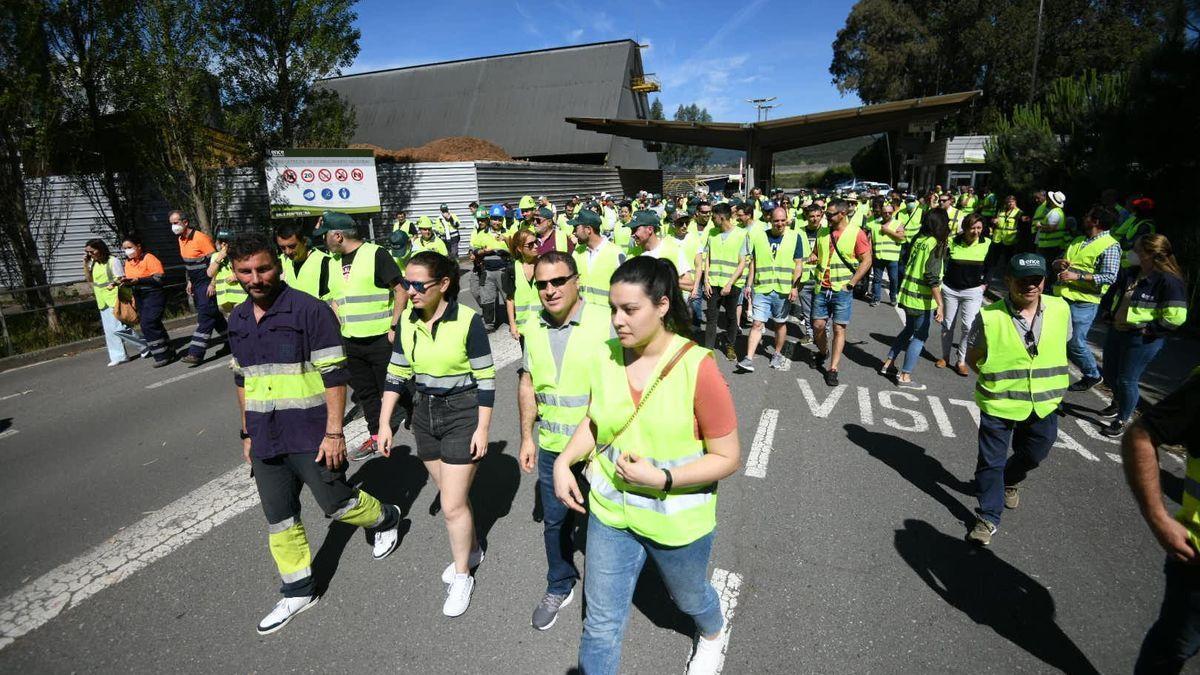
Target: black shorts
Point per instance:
(443, 426)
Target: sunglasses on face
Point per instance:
(417, 286)
(830, 214)
(529, 245)
(556, 282)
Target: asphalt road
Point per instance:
(133, 540)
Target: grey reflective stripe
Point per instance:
(264, 369)
(487, 384)
(1038, 397)
(254, 405)
(351, 299)
(153, 343)
(1020, 374)
(298, 575)
(276, 528)
(615, 452)
(198, 342)
(527, 308)
(327, 353)
(563, 401)
(671, 505)
(557, 427)
(351, 503)
(1192, 487)
(481, 362)
(594, 290)
(722, 263)
(445, 382)
(399, 359)
(358, 318)
(194, 260)
(101, 284)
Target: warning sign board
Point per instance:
(290, 197)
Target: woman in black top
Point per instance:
(963, 284)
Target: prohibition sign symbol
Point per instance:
(356, 174)
(289, 175)
(324, 175)
(340, 174)
(307, 175)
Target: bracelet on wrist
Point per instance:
(331, 435)
(669, 480)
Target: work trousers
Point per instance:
(959, 309)
(492, 296)
(1031, 440)
(716, 303)
(367, 359)
(151, 303)
(279, 480)
(210, 323)
(1175, 636)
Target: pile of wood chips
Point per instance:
(449, 149)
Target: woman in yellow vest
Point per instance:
(1147, 303)
(662, 429)
(225, 287)
(442, 355)
(521, 301)
(962, 289)
(101, 269)
(920, 296)
(1006, 232)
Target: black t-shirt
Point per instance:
(387, 272)
(1175, 420)
(322, 283)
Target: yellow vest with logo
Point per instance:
(364, 309)
(1081, 257)
(1012, 384)
(562, 393)
(663, 435)
(309, 279)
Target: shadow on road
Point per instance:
(911, 462)
(991, 592)
(650, 597)
(496, 483)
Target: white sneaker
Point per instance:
(709, 655)
(284, 610)
(473, 561)
(386, 540)
(458, 598)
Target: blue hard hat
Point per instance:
(497, 211)
(768, 206)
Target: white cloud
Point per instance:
(575, 34)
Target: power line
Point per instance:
(762, 107)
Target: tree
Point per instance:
(691, 157)
(897, 49)
(656, 110)
(271, 54)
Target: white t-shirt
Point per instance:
(681, 262)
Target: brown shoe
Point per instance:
(940, 363)
(1012, 496)
(982, 532)
(962, 369)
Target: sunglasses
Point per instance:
(1031, 342)
(556, 282)
(830, 214)
(417, 286)
(541, 220)
(530, 244)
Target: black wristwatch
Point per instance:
(243, 435)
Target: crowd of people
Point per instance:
(619, 306)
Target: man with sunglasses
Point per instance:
(842, 256)
(548, 238)
(552, 398)
(1018, 346)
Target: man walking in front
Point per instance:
(842, 256)
(195, 248)
(1018, 346)
(290, 372)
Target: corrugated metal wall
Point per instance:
(421, 188)
(508, 181)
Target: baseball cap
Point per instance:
(586, 217)
(399, 241)
(481, 214)
(333, 221)
(544, 213)
(644, 217)
(444, 207)
(1027, 265)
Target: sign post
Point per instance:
(310, 181)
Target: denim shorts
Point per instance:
(770, 307)
(828, 302)
(443, 426)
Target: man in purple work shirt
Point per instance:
(290, 372)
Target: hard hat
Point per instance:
(497, 211)
(424, 223)
(527, 203)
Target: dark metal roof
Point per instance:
(517, 101)
(787, 132)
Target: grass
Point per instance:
(30, 331)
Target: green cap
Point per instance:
(1027, 265)
(586, 217)
(400, 242)
(334, 221)
(644, 217)
(223, 234)
(527, 203)
(669, 208)
(444, 207)
(544, 212)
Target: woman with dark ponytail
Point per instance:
(660, 431)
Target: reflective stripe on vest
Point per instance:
(439, 363)
(773, 271)
(526, 302)
(364, 309)
(884, 247)
(914, 292)
(1012, 384)
(1005, 232)
(562, 393)
(595, 278)
(663, 434)
(828, 260)
(1082, 258)
(229, 292)
(1057, 238)
(724, 253)
(309, 279)
(101, 277)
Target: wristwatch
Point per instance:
(243, 435)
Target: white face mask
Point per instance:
(177, 229)
(129, 252)
(1134, 260)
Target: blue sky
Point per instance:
(716, 54)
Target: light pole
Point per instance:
(761, 105)
(1037, 48)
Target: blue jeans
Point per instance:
(893, 274)
(1126, 356)
(911, 339)
(614, 561)
(1031, 441)
(1082, 316)
(828, 303)
(697, 305)
(557, 521)
(1175, 636)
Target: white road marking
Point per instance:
(1094, 433)
(919, 422)
(1065, 441)
(865, 413)
(9, 432)
(160, 533)
(820, 409)
(1113, 456)
(940, 416)
(20, 393)
(224, 363)
(971, 406)
(760, 448)
(728, 586)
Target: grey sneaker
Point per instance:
(982, 532)
(777, 361)
(546, 613)
(363, 451)
(1012, 496)
(746, 365)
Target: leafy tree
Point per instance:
(656, 110)
(271, 54)
(691, 157)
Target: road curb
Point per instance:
(72, 348)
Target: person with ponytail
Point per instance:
(1147, 302)
(920, 295)
(660, 431)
